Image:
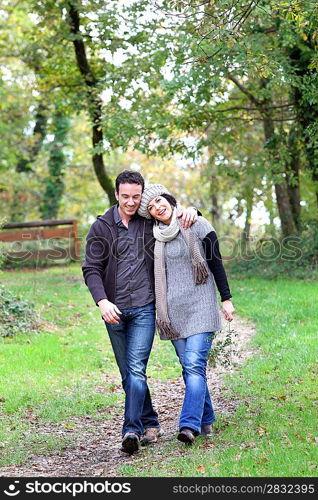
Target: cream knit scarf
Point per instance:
(199, 265)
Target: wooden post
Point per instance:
(75, 251)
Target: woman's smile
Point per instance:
(160, 209)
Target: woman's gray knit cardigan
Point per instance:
(192, 308)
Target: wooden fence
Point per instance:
(43, 231)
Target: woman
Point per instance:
(187, 263)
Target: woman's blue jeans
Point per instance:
(193, 352)
(132, 341)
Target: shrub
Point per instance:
(268, 257)
(17, 315)
(224, 349)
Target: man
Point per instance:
(118, 271)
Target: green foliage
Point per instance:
(56, 168)
(184, 80)
(309, 244)
(295, 257)
(17, 315)
(223, 348)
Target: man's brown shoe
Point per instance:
(151, 435)
(130, 443)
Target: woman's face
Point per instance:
(160, 209)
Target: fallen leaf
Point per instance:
(262, 461)
(301, 438)
(98, 472)
(261, 430)
(248, 445)
(201, 468)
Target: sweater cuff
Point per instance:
(98, 295)
(225, 297)
(99, 300)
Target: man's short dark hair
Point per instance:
(129, 177)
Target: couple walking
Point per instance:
(144, 260)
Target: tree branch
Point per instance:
(239, 108)
(245, 91)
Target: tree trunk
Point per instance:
(301, 58)
(284, 209)
(281, 191)
(293, 179)
(282, 197)
(214, 190)
(245, 236)
(94, 102)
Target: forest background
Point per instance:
(215, 99)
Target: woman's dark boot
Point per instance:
(206, 430)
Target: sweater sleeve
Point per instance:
(214, 260)
(96, 257)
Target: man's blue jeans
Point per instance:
(197, 409)
(132, 341)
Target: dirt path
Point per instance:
(97, 442)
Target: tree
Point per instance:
(93, 100)
(156, 78)
(249, 46)
(54, 184)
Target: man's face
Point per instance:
(128, 197)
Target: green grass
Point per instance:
(67, 370)
(53, 373)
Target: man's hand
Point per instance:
(228, 310)
(189, 216)
(109, 311)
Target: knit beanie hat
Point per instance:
(150, 192)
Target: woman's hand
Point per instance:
(228, 310)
